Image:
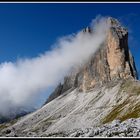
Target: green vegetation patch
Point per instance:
(130, 86)
(7, 124)
(2, 126)
(43, 124)
(133, 111)
(115, 113)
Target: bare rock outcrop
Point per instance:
(111, 62)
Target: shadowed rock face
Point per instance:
(111, 62)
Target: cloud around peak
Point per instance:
(22, 82)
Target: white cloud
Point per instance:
(22, 82)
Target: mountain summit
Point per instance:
(98, 99)
(111, 62)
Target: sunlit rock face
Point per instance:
(119, 58)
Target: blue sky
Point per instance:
(27, 30)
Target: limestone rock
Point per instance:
(112, 61)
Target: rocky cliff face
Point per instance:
(111, 62)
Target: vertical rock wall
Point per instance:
(112, 61)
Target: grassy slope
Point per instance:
(131, 105)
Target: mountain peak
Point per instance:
(116, 26)
(113, 22)
(112, 61)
